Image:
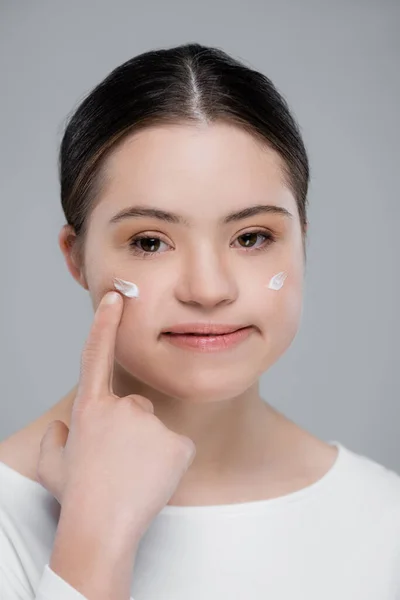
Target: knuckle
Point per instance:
(143, 401)
(135, 400)
(134, 407)
(83, 410)
(188, 444)
(125, 404)
(182, 444)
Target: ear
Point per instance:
(67, 241)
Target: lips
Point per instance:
(203, 329)
(208, 342)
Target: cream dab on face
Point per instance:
(277, 281)
(127, 288)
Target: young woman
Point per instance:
(164, 474)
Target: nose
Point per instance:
(207, 281)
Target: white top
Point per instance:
(337, 538)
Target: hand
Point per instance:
(118, 463)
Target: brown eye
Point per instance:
(249, 238)
(148, 244)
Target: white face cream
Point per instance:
(277, 281)
(127, 288)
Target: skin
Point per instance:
(245, 449)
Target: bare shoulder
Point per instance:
(20, 450)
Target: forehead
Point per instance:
(194, 166)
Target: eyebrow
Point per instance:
(170, 217)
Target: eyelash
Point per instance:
(269, 239)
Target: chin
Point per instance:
(199, 381)
(204, 386)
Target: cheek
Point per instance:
(136, 337)
(141, 318)
(137, 330)
(283, 316)
(279, 310)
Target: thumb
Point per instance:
(50, 468)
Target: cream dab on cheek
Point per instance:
(127, 288)
(277, 281)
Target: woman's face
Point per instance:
(200, 269)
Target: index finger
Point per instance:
(97, 361)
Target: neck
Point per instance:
(232, 436)
(245, 449)
(227, 433)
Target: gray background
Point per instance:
(337, 63)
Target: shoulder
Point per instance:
(28, 517)
(372, 487)
(28, 521)
(370, 472)
(20, 451)
(23, 500)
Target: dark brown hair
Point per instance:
(190, 83)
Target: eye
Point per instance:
(148, 246)
(145, 246)
(250, 238)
